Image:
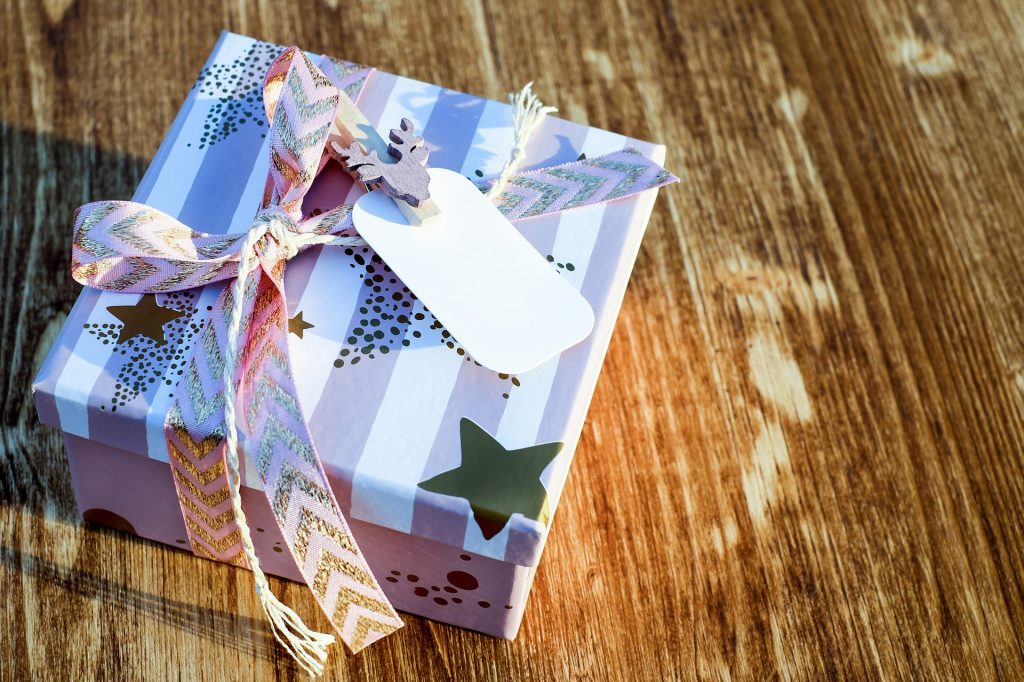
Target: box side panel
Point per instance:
(427, 578)
(44, 387)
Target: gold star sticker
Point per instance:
(297, 325)
(497, 482)
(145, 318)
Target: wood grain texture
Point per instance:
(805, 458)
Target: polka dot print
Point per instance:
(238, 89)
(561, 266)
(105, 517)
(388, 319)
(453, 590)
(145, 363)
(463, 580)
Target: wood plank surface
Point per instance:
(805, 458)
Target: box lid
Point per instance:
(384, 387)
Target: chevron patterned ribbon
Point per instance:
(242, 359)
(588, 181)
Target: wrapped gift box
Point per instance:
(385, 388)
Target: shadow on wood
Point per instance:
(250, 636)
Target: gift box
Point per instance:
(414, 435)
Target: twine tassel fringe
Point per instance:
(529, 112)
(307, 646)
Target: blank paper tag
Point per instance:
(480, 278)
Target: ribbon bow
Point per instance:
(242, 362)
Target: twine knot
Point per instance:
(528, 112)
(276, 224)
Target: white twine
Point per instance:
(529, 112)
(307, 646)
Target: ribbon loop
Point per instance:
(130, 247)
(301, 104)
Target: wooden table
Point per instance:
(804, 458)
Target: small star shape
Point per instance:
(297, 325)
(495, 481)
(145, 318)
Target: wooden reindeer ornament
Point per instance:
(405, 178)
(398, 168)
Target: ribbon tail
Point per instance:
(296, 485)
(194, 431)
(131, 247)
(580, 183)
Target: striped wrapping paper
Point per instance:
(384, 394)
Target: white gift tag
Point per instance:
(480, 278)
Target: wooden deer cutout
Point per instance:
(406, 178)
(400, 173)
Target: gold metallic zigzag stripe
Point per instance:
(210, 500)
(236, 559)
(364, 627)
(291, 478)
(220, 546)
(347, 597)
(215, 523)
(96, 269)
(139, 270)
(275, 433)
(329, 563)
(266, 390)
(205, 476)
(203, 405)
(310, 521)
(283, 167)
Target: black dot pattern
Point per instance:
(147, 362)
(561, 266)
(458, 582)
(388, 319)
(238, 88)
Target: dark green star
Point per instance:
(497, 482)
